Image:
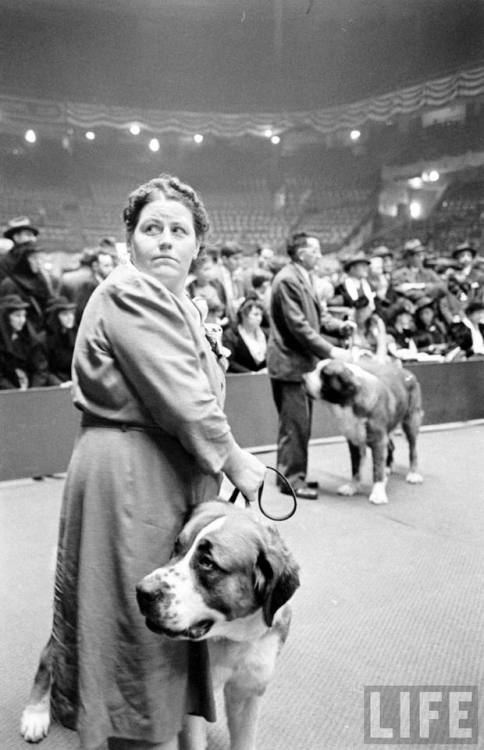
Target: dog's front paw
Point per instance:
(413, 477)
(378, 494)
(35, 722)
(349, 489)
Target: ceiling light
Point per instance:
(355, 135)
(198, 138)
(154, 144)
(268, 133)
(90, 135)
(30, 136)
(134, 129)
(275, 140)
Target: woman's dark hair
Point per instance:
(173, 189)
(246, 307)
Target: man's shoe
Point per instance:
(313, 484)
(304, 492)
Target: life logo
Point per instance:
(421, 714)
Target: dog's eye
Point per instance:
(206, 562)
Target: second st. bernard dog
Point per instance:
(229, 581)
(369, 400)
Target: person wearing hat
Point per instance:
(468, 276)
(430, 335)
(413, 280)
(355, 289)
(61, 329)
(468, 334)
(23, 359)
(20, 230)
(21, 272)
(401, 334)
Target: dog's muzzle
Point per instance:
(153, 599)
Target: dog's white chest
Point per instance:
(351, 426)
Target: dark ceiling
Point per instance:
(231, 55)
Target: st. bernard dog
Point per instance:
(229, 581)
(369, 400)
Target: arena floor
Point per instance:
(390, 595)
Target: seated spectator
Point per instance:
(402, 338)
(468, 277)
(61, 336)
(413, 280)
(21, 272)
(23, 359)
(430, 334)
(79, 288)
(355, 285)
(261, 291)
(380, 280)
(203, 284)
(247, 342)
(468, 334)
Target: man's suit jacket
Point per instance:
(295, 342)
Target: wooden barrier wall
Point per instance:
(38, 426)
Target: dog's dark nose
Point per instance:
(146, 595)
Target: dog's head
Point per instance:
(333, 381)
(227, 566)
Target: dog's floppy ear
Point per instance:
(277, 575)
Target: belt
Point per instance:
(90, 420)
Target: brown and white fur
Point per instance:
(229, 581)
(369, 400)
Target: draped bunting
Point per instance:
(411, 100)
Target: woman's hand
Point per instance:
(245, 471)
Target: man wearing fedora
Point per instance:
(468, 275)
(22, 274)
(413, 280)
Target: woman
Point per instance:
(61, 336)
(430, 335)
(154, 442)
(247, 343)
(23, 359)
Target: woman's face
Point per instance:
(66, 318)
(17, 320)
(164, 242)
(254, 317)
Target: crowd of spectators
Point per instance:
(404, 305)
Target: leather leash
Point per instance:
(235, 494)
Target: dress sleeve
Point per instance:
(159, 357)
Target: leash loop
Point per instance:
(288, 515)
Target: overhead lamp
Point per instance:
(90, 135)
(415, 209)
(355, 135)
(268, 132)
(30, 136)
(430, 175)
(198, 138)
(154, 144)
(275, 140)
(415, 182)
(134, 129)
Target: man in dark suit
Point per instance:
(295, 346)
